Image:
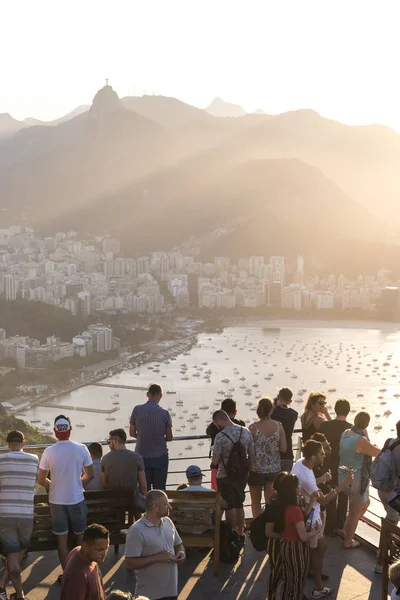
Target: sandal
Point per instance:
(354, 544)
(15, 597)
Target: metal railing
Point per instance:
(371, 518)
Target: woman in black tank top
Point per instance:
(315, 413)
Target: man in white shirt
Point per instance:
(314, 455)
(66, 460)
(18, 472)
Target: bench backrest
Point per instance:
(112, 508)
(195, 510)
(390, 541)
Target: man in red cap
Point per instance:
(66, 460)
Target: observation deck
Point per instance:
(351, 572)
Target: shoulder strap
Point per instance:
(226, 435)
(393, 446)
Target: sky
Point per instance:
(340, 57)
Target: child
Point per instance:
(394, 576)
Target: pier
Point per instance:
(82, 408)
(120, 387)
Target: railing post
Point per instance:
(385, 534)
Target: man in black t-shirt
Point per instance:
(288, 417)
(229, 406)
(333, 430)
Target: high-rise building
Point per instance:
(193, 288)
(10, 286)
(255, 265)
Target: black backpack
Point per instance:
(237, 466)
(257, 532)
(229, 544)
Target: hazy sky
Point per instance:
(339, 57)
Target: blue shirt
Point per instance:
(151, 422)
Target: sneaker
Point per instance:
(3, 594)
(378, 569)
(322, 593)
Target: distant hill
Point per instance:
(170, 113)
(291, 207)
(38, 320)
(156, 164)
(47, 171)
(220, 108)
(9, 126)
(31, 122)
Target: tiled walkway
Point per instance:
(351, 574)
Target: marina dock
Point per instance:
(120, 387)
(82, 408)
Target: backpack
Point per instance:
(257, 532)
(237, 466)
(229, 544)
(383, 469)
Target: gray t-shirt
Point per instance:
(223, 445)
(143, 538)
(94, 485)
(121, 468)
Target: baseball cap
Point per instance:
(194, 471)
(62, 424)
(15, 436)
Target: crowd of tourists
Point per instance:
(296, 505)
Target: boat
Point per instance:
(80, 425)
(110, 418)
(36, 421)
(188, 447)
(226, 380)
(331, 390)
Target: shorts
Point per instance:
(314, 540)
(64, 514)
(391, 514)
(286, 464)
(353, 492)
(261, 479)
(232, 492)
(15, 533)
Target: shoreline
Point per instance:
(315, 324)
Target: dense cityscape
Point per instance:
(93, 278)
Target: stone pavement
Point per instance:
(351, 574)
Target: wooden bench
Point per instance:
(114, 509)
(390, 540)
(192, 511)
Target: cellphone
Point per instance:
(347, 469)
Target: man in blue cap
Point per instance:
(195, 480)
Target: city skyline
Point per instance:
(290, 56)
